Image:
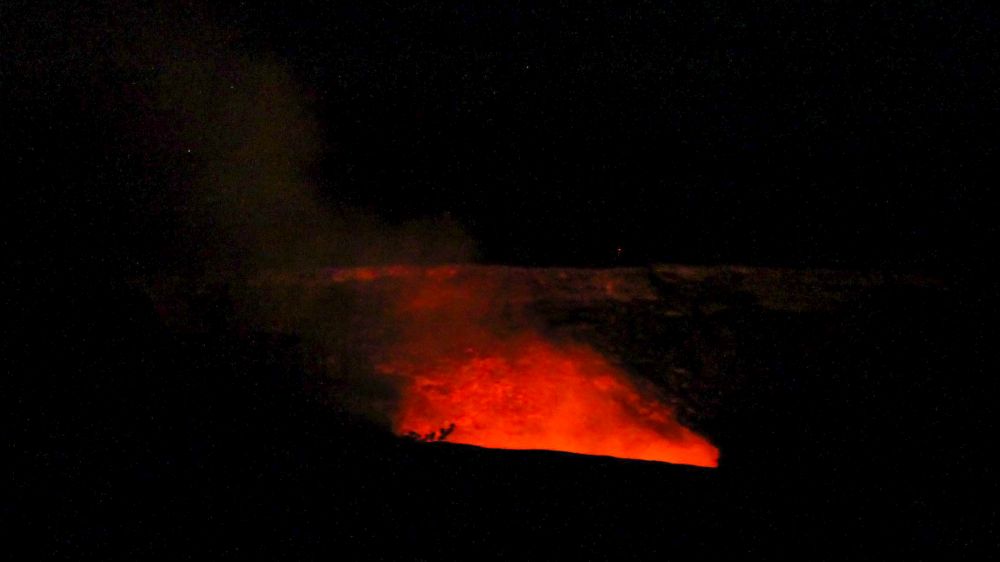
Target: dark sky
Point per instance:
(845, 134)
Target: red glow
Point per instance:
(465, 353)
(536, 395)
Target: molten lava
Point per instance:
(537, 395)
(472, 367)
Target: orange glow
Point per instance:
(474, 367)
(536, 395)
(373, 273)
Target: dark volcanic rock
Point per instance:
(852, 411)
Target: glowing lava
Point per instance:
(473, 365)
(536, 395)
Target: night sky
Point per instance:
(833, 134)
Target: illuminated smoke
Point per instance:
(462, 354)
